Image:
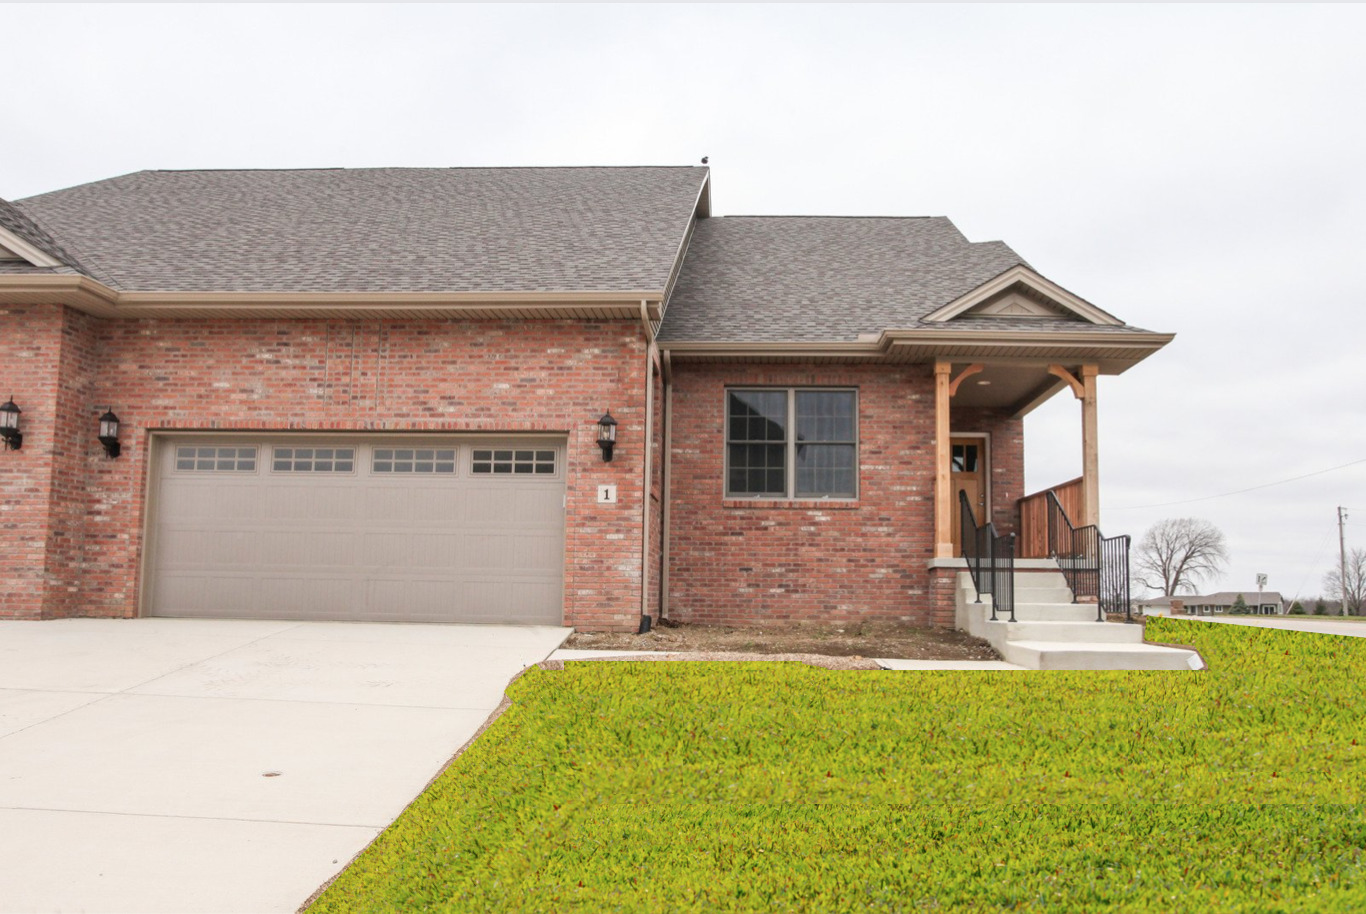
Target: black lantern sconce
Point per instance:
(109, 433)
(607, 436)
(9, 425)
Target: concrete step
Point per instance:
(1054, 612)
(1095, 655)
(1081, 632)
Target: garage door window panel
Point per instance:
(424, 461)
(196, 459)
(314, 460)
(513, 462)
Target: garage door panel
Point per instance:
(207, 549)
(287, 541)
(303, 548)
(311, 596)
(211, 595)
(437, 552)
(420, 504)
(227, 500)
(312, 504)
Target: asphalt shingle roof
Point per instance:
(817, 278)
(378, 229)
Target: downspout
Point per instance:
(651, 353)
(665, 515)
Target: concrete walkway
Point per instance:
(1323, 625)
(160, 765)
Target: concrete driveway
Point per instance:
(189, 765)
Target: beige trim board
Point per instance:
(94, 297)
(27, 251)
(80, 292)
(1115, 353)
(1027, 277)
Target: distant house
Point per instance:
(1267, 603)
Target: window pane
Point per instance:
(825, 415)
(757, 415)
(216, 459)
(965, 458)
(825, 469)
(757, 469)
(313, 460)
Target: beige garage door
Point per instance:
(374, 529)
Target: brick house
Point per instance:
(376, 394)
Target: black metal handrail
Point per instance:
(990, 558)
(1094, 565)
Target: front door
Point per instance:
(968, 460)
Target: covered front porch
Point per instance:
(967, 397)
(1000, 533)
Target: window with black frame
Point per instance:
(791, 443)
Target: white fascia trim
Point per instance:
(1026, 276)
(33, 255)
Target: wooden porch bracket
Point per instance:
(963, 376)
(1078, 390)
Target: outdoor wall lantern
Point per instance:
(607, 435)
(109, 433)
(9, 426)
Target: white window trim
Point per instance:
(789, 444)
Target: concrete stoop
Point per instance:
(1050, 632)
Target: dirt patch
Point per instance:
(867, 639)
(824, 661)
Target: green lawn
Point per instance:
(779, 787)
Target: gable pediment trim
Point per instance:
(1003, 297)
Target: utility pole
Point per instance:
(1342, 561)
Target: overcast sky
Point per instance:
(1194, 169)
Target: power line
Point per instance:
(1267, 485)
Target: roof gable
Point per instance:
(1020, 292)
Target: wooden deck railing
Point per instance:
(1033, 543)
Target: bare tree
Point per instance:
(1176, 553)
(1355, 596)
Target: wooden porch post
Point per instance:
(943, 476)
(1090, 449)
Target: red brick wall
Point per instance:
(77, 542)
(30, 353)
(743, 561)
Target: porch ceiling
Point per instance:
(1017, 389)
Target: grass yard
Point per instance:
(779, 787)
